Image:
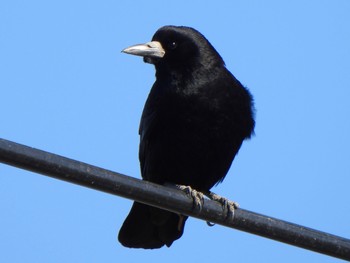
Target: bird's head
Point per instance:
(177, 47)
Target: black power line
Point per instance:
(168, 198)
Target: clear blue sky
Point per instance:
(67, 89)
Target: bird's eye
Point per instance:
(172, 45)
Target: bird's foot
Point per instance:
(196, 196)
(228, 206)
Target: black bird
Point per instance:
(194, 122)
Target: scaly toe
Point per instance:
(229, 207)
(196, 196)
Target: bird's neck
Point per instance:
(186, 80)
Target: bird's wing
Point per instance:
(149, 120)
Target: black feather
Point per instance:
(193, 124)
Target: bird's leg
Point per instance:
(228, 206)
(197, 197)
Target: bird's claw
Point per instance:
(228, 206)
(196, 196)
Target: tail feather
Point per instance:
(149, 227)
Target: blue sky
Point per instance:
(67, 89)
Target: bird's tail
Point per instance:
(149, 227)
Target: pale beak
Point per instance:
(151, 49)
